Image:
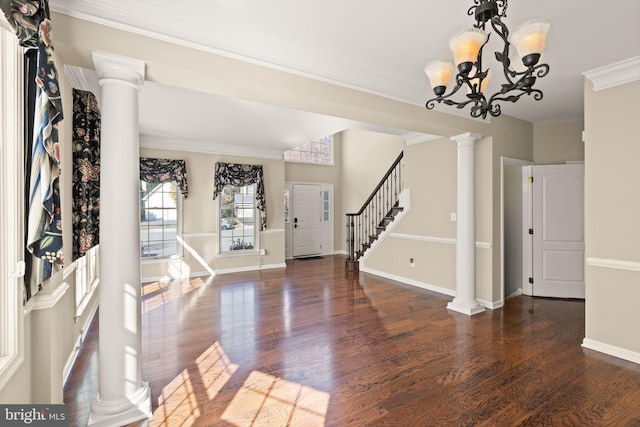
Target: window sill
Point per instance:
(237, 254)
(161, 260)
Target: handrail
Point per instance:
(364, 226)
(380, 184)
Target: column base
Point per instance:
(123, 411)
(465, 308)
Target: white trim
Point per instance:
(404, 201)
(84, 303)
(250, 268)
(433, 239)
(87, 323)
(150, 279)
(611, 350)
(427, 286)
(491, 305)
(165, 278)
(192, 146)
(416, 283)
(82, 79)
(617, 264)
(68, 270)
(71, 360)
(616, 74)
(526, 208)
(413, 138)
(45, 301)
(200, 234)
(11, 204)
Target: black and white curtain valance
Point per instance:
(159, 171)
(240, 175)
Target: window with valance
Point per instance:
(241, 175)
(161, 183)
(160, 171)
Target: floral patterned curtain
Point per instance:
(239, 175)
(30, 20)
(86, 172)
(158, 171)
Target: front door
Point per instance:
(558, 231)
(307, 211)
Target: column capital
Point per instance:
(466, 139)
(114, 67)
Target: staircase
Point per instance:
(375, 215)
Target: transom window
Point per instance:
(237, 219)
(319, 152)
(159, 225)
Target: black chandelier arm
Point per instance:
(497, 97)
(477, 100)
(503, 57)
(542, 70)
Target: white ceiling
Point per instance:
(376, 46)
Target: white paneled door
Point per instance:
(558, 231)
(307, 211)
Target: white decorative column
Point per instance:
(122, 397)
(465, 301)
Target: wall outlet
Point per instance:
(263, 251)
(454, 216)
(412, 262)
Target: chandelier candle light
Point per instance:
(521, 67)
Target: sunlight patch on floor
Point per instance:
(265, 400)
(215, 369)
(177, 404)
(155, 294)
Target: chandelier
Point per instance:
(520, 66)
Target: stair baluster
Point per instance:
(364, 227)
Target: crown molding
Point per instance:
(616, 74)
(418, 138)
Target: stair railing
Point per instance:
(364, 226)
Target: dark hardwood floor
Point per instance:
(313, 345)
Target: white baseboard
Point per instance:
(167, 278)
(220, 271)
(251, 268)
(411, 282)
(491, 305)
(445, 291)
(612, 350)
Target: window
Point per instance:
(159, 225)
(86, 278)
(319, 152)
(11, 202)
(237, 219)
(286, 206)
(326, 206)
